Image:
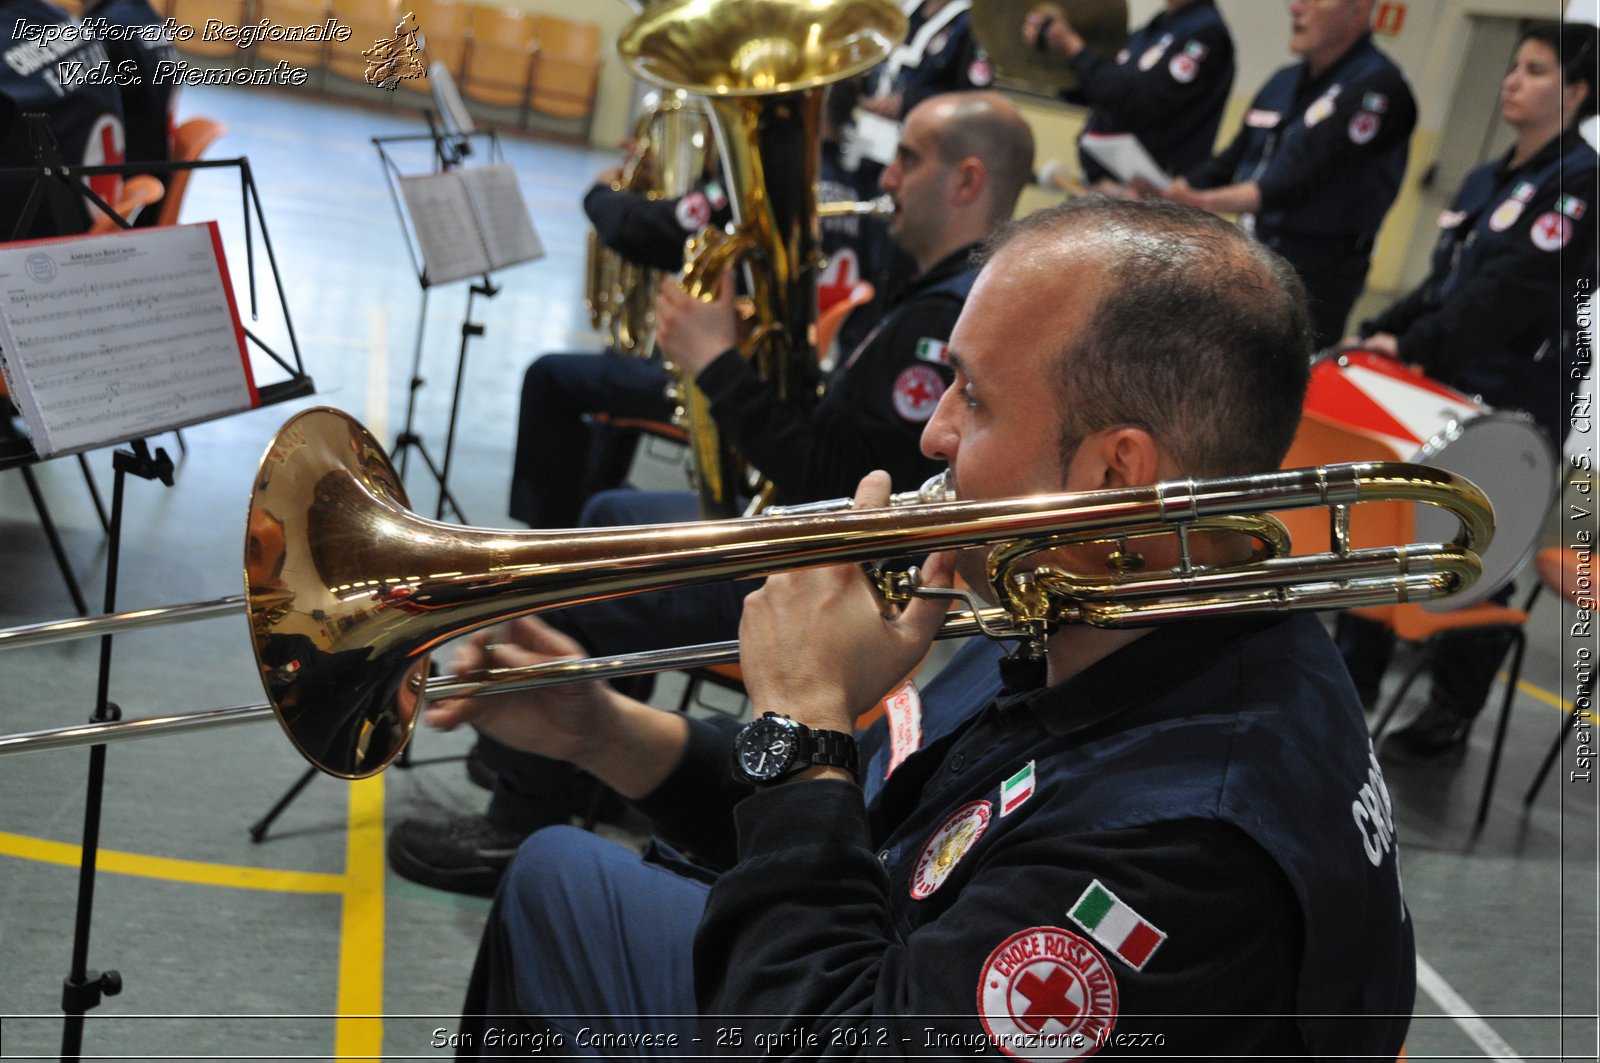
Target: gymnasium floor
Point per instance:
(304, 946)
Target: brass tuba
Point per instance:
(760, 66)
(670, 145)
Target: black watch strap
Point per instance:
(835, 749)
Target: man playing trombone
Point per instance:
(1176, 839)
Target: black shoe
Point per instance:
(1437, 731)
(467, 854)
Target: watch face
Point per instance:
(767, 748)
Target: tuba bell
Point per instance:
(760, 66)
(669, 150)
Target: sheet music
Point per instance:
(446, 227)
(110, 338)
(1125, 157)
(873, 136)
(508, 234)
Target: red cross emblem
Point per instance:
(917, 391)
(838, 279)
(693, 212)
(1047, 994)
(1550, 231)
(1049, 998)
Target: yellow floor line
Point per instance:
(229, 875)
(359, 1030)
(1539, 693)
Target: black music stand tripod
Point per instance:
(449, 152)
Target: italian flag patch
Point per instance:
(1116, 926)
(1016, 790)
(932, 350)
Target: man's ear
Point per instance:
(971, 180)
(1117, 457)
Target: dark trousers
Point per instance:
(585, 938)
(531, 791)
(561, 456)
(1461, 672)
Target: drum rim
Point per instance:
(1452, 432)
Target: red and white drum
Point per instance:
(1423, 421)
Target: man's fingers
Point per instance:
(873, 491)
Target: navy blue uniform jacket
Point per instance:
(1499, 308)
(1187, 849)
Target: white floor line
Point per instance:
(377, 416)
(1471, 1023)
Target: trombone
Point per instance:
(349, 591)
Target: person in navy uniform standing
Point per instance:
(1174, 839)
(1497, 317)
(940, 54)
(84, 119)
(1168, 87)
(1320, 157)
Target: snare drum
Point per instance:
(1425, 422)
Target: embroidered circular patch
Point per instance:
(1505, 215)
(917, 391)
(955, 836)
(1183, 68)
(1550, 231)
(694, 211)
(1364, 126)
(1320, 108)
(1046, 994)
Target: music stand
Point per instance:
(450, 149)
(83, 988)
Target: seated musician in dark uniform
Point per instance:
(1145, 838)
(137, 44)
(1497, 317)
(84, 120)
(961, 167)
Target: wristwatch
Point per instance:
(774, 747)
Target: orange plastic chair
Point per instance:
(189, 142)
(1561, 570)
(567, 75)
(444, 38)
(370, 21)
(138, 192)
(195, 13)
(1321, 442)
(501, 54)
(312, 55)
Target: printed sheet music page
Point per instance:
(114, 337)
(469, 222)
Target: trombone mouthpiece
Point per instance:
(935, 489)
